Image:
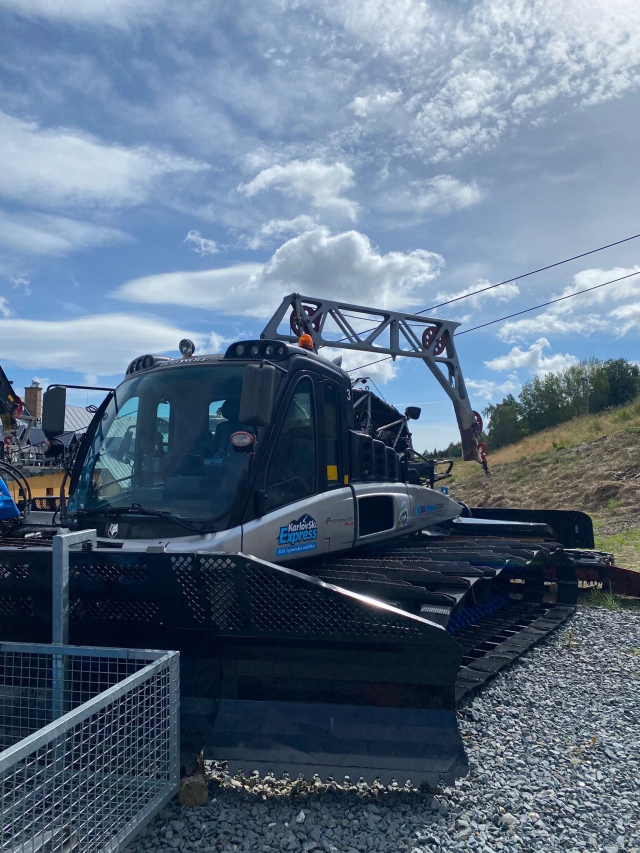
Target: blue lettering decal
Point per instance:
(302, 529)
(422, 508)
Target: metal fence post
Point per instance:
(61, 544)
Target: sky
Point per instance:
(172, 169)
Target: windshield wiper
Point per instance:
(136, 509)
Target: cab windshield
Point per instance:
(164, 444)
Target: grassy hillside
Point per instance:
(591, 464)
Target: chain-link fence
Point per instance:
(90, 745)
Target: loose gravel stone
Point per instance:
(554, 752)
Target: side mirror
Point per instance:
(54, 403)
(412, 413)
(258, 394)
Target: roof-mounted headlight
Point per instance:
(187, 348)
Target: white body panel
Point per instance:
(340, 522)
(317, 525)
(430, 507)
(288, 533)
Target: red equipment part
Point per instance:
(296, 325)
(428, 336)
(482, 447)
(479, 422)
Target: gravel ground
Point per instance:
(554, 748)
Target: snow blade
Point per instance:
(280, 671)
(414, 744)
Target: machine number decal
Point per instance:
(298, 535)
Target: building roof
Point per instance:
(77, 419)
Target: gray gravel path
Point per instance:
(554, 747)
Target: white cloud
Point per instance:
(630, 317)
(532, 359)
(568, 317)
(509, 61)
(218, 343)
(489, 390)
(342, 266)
(202, 246)
(21, 281)
(101, 344)
(279, 228)
(505, 293)
(629, 287)
(468, 73)
(313, 179)
(440, 194)
(550, 323)
(232, 290)
(116, 13)
(364, 105)
(4, 307)
(400, 29)
(43, 234)
(61, 166)
(382, 371)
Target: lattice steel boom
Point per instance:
(393, 333)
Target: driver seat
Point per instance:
(221, 438)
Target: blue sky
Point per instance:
(174, 168)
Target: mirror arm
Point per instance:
(82, 387)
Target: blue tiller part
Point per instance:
(8, 508)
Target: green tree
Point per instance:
(453, 451)
(506, 423)
(545, 401)
(624, 380)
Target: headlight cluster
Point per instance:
(146, 362)
(271, 350)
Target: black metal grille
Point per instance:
(12, 606)
(17, 571)
(45, 504)
(110, 572)
(114, 611)
(284, 606)
(183, 568)
(218, 578)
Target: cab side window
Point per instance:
(292, 468)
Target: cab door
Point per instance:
(334, 466)
(292, 526)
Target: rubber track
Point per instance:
(512, 632)
(495, 641)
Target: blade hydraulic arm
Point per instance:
(391, 333)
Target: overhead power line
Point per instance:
(506, 281)
(518, 313)
(550, 302)
(362, 366)
(525, 274)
